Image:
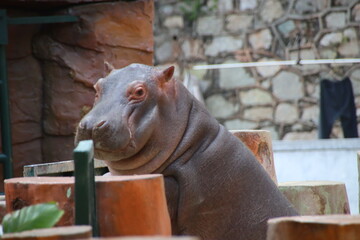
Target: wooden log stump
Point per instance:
(126, 205)
(2, 210)
(150, 238)
(132, 205)
(57, 233)
(259, 142)
(23, 192)
(358, 164)
(326, 227)
(317, 197)
(2, 207)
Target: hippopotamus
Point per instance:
(145, 121)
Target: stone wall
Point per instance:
(52, 68)
(282, 99)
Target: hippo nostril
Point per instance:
(82, 125)
(101, 123)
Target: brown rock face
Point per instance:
(25, 93)
(25, 154)
(116, 24)
(51, 75)
(73, 56)
(63, 101)
(19, 47)
(57, 148)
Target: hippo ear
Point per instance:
(108, 67)
(168, 73)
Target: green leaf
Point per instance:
(43, 215)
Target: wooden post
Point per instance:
(259, 142)
(57, 233)
(151, 238)
(326, 227)
(126, 205)
(22, 192)
(317, 197)
(132, 205)
(358, 163)
(2, 207)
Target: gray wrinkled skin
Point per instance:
(144, 121)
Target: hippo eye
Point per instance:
(97, 92)
(137, 93)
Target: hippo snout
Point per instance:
(85, 125)
(92, 129)
(104, 133)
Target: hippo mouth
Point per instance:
(129, 157)
(132, 162)
(115, 154)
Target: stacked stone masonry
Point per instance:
(282, 99)
(52, 68)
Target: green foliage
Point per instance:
(192, 9)
(43, 215)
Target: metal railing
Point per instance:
(5, 123)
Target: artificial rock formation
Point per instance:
(60, 62)
(24, 73)
(117, 32)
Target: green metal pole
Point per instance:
(6, 156)
(42, 20)
(5, 118)
(85, 200)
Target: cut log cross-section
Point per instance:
(126, 205)
(259, 142)
(325, 227)
(317, 197)
(57, 233)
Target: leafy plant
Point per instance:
(44, 215)
(193, 8)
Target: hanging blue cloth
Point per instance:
(337, 102)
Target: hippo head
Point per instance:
(126, 121)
